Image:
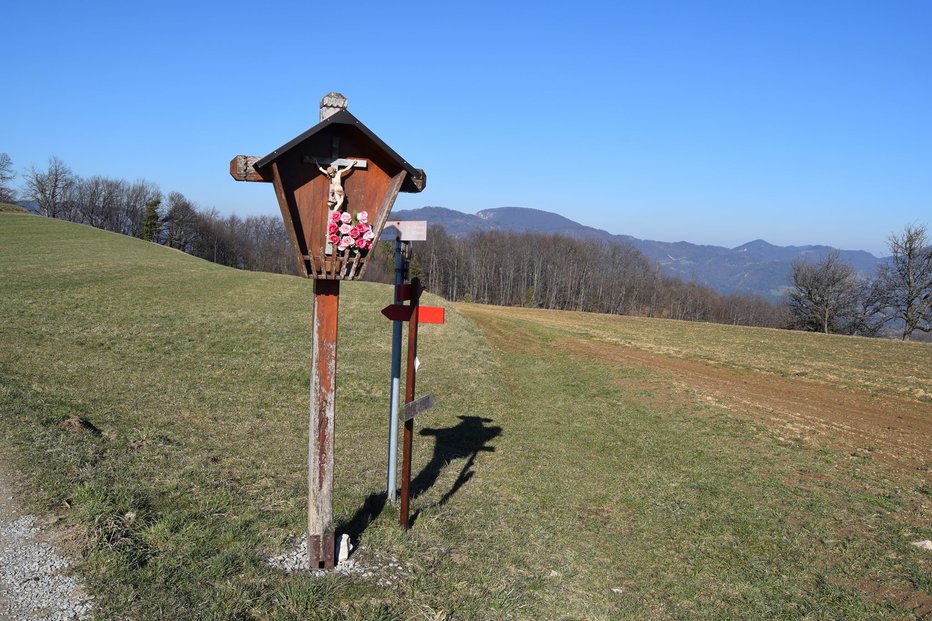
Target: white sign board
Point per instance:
(417, 406)
(405, 230)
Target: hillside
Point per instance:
(575, 465)
(29, 206)
(196, 376)
(756, 268)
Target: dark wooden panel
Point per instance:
(292, 226)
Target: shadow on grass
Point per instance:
(366, 514)
(464, 440)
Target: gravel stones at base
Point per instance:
(387, 572)
(34, 583)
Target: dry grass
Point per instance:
(555, 485)
(876, 365)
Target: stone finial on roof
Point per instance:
(331, 104)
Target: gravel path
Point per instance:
(34, 581)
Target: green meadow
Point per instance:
(154, 407)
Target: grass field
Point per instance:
(575, 466)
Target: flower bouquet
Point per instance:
(350, 235)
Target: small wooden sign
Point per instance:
(418, 406)
(405, 230)
(398, 312)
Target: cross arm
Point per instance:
(242, 169)
(339, 162)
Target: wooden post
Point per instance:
(409, 397)
(320, 535)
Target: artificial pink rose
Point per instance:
(334, 216)
(345, 217)
(334, 239)
(368, 235)
(333, 228)
(363, 244)
(346, 242)
(345, 229)
(363, 227)
(355, 233)
(362, 216)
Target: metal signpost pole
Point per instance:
(397, 328)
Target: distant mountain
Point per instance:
(30, 206)
(454, 222)
(756, 267)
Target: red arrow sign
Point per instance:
(430, 314)
(426, 314)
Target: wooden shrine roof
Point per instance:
(415, 180)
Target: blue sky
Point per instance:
(711, 122)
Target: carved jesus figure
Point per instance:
(337, 196)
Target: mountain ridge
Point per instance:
(756, 267)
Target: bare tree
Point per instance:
(180, 222)
(825, 296)
(904, 284)
(50, 189)
(7, 195)
(92, 202)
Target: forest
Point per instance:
(512, 269)
(556, 272)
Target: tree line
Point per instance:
(512, 269)
(140, 209)
(555, 272)
(830, 296)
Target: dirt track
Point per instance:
(887, 437)
(895, 431)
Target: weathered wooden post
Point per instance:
(410, 375)
(335, 184)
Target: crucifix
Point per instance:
(337, 197)
(335, 167)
